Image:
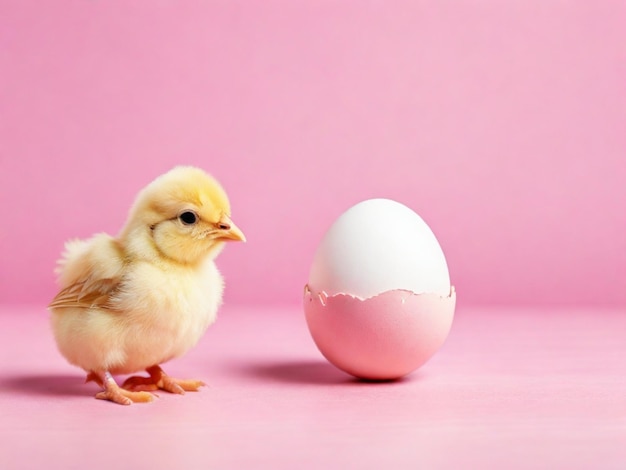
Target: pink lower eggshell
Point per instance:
(381, 338)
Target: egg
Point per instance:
(379, 302)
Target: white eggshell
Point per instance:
(376, 246)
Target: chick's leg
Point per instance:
(114, 393)
(159, 380)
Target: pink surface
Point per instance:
(382, 337)
(509, 389)
(501, 123)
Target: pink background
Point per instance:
(501, 123)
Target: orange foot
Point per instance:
(114, 393)
(159, 380)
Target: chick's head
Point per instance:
(183, 215)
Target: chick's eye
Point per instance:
(188, 218)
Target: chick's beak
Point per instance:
(229, 231)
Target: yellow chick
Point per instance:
(132, 302)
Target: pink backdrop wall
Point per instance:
(502, 123)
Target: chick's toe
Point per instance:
(159, 380)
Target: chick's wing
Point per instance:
(90, 272)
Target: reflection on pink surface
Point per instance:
(509, 389)
(500, 123)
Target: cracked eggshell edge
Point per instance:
(384, 337)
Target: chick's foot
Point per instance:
(159, 380)
(112, 392)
